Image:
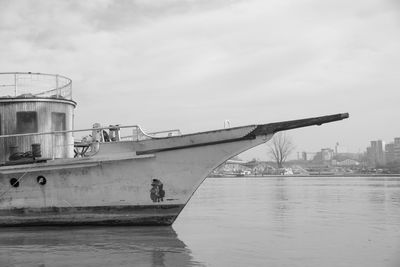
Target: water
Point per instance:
(281, 221)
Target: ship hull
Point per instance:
(144, 215)
(145, 182)
(115, 187)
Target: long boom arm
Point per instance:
(275, 127)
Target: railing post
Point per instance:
(52, 145)
(58, 93)
(135, 133)
(15, 84)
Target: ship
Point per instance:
(53, 174)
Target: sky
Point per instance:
(192, 64)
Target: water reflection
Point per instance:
(99, 246)
(294, 221)
(263, 221)
(281, 203)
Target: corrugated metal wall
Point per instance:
(63, 143)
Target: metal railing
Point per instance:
(160, 134)
(71, 131)
(137, 135)
(41, 85)
(168, 133)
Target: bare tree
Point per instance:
(280, 147)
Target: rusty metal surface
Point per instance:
(99, 215)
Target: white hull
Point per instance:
(132, 182)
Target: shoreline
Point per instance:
(311, 175)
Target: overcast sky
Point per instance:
(193, 64)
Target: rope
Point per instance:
(2, 194)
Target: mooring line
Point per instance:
(2, 194)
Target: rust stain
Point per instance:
(99, 215)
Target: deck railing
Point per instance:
(137, 135)
(160, 134)
(27, 84)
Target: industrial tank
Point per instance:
(32, 105)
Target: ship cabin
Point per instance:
(32, 104)
(36, 121)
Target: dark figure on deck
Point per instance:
(157, 192)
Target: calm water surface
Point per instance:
(281, 221)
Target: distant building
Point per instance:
(344, 156)
(348, 162)
(234, 166)
(392, 151)
(299, 170)
(375, 154)
(397, 148)
(389, 153)
(325, 155)
(238, 166)
(260, 168)
(340, 149)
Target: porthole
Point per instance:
(41, 180)
(14, 182)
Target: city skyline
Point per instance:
(390, 150)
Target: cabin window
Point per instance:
(27, 122)
(58, 121)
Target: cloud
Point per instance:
(194, 64)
